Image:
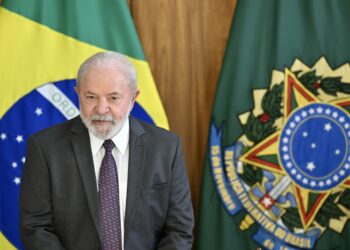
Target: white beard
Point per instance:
(103, 132)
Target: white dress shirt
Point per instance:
(121, 156)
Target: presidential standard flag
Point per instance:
(277, 172)
(42, 44)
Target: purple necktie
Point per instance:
(109, 201)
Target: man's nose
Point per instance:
(102, 106)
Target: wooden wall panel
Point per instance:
(184, 42)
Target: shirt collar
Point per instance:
(121, 140)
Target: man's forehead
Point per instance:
(87, 91)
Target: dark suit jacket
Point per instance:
(59, 199)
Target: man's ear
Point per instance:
(136, 95)
(133, 99)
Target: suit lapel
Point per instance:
(137, 150)
(81, 145)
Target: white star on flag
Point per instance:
(19, 138)
(327, 127)
(337, 152)
(23, 159)
(286, 157)
(17, 180)
(38, 111)
(313, 145)
(310, 166)
(3, 136)
(14, 164)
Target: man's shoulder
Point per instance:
(152, 131)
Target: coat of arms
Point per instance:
(290, 169)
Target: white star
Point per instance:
(342, 172)
(294, 171)
(313, 183)
(19, 138)
(303, 114)
(288, 131)
(342, 119)
(267, 201)
(292, 125)
(346, 125)
(286, 157)
(347, 166)
(327, 127)
(3, 136)
(297, 118)
(321, 183)
(305, 134)
(299, 176)
(23, 159)
(328, 111)
(38, 111)
(14, 164)
(337, 152)
(285, 140)
(310, 166)
(285, 149)
(313, 145)
(17, 180)
(335, 114)
(305, 181)
(329, 182)
(289, 165)
(319, 110)
(335, 177)
(311, 111)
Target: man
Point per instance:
(105, 180)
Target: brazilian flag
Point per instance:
(42, 44)
(277, 171)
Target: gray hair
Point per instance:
(110, 58)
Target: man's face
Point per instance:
(105, 100)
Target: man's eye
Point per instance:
(90, 97)
(113, 98)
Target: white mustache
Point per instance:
(107, 118)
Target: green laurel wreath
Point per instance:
(260, 127)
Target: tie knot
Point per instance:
(108, 145)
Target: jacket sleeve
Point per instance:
(178, 233)
(36, 216)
